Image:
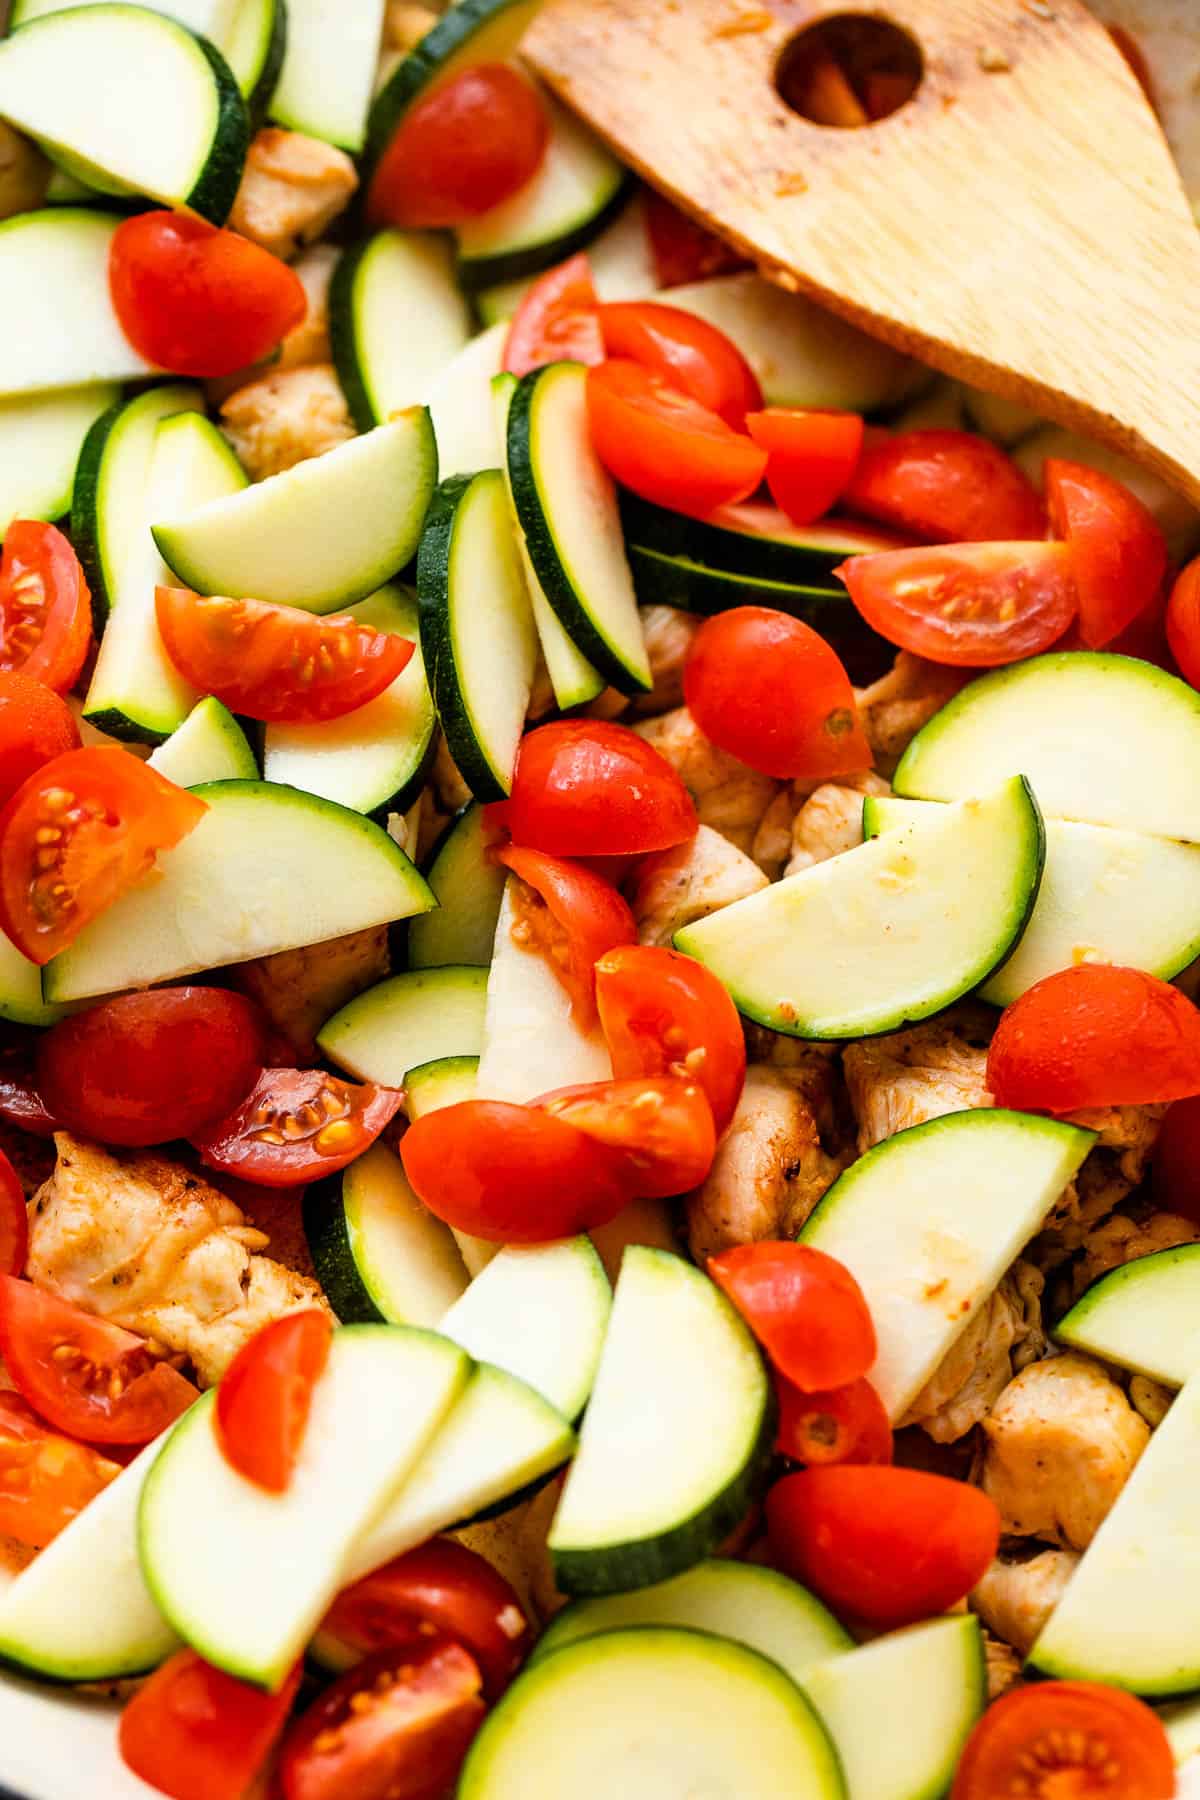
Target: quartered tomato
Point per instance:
(266, 1393)
(556, 321)
(585, 787)
(1095, 1035)
(395, 1728)
(195, 1733)
(145, 1068)
(442, 1586)
(948, 487)
(664, 1014)
(1118, 550)
(461, 149)
(570, 916)
(660, 1126)
(85, 1376)
(1067, 1738)
(46, 1479)
(688, 352)
(839, 1425)
(666, 446)
(14, 1220)
(810, 457)
(296, 1125)
(512, 1174)
(805, 1309)
(975, 606)
(1183, 623)
(35, 726)
(45, 606)
(198, 300)
(682, 250)
(76, 835)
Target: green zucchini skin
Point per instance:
(259, 100)
(85, 535)
(433, 599)
(738, 552)
(477, 273)
(215, 191)
(342, 340)
(324, 1220)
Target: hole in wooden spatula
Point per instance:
(849, 70)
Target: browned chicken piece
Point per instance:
(404, 25)
(1002, 1666)
(451, 790)
(677, 887)
(1016, 1596)
(286, 417)
(830, 821)
(1061, 1442)
(771, 1167)
(1005, 1335)
(1096, 1192)
(308, 342)
(1151, 1399)
(921, 1073)
(141, 1241)
(894, 708)
(293, 188)
(669, 633)
(729, 796)
(299, 989)
(1130, 1130)
(1120, 1239)
(772, 844)
(24, 173)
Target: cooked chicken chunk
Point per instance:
(910, 1076)
(449, 786)
(830, 821)
(729, 796)
(1061, 1443)
(285, 417)
(894, 708)
(299, 989)
(1151, 1399)
(404, 25)
(1131, 1130)
(24, 173)
(669, 633)
(1099, 1188)
(1004, 1335)
(678, 886)
(309, 342)
(772, 843)
(293, 187)
(1015, 1598)
(1120, 1239)
(143, 1242)
(1002, 1665)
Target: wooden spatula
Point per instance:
(1019, 223)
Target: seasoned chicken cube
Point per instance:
(285, 417)
(894, 708)
(1119, 1239)
(1002, 1666)
(772, 843)
(1004, 1335)
(299, 989)
(830, 821)
(1015, 1598)
(1130, 1130)
(677, 887)
(911, 1076)
(451, 790)
(308, 342)
(24, 173)
(404, 25)
(293, 188)
(729, 796)
(1061, 1442)
(141, 1241)
(669, 633)
(1097, 1190)
(1151, 1399)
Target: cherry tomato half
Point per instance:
(145, 1068)
(197, 300)
(85, 1376)
(840, 1425)
(556, 321)
(974, 606)
(195, 1733)
(35, 727)
(1067, 1738)
(46, 1479)
(75, 836)
(660, 1126)
(804, 1307)
(14, 1220)
(682, 250)
(884, 1546)
(1118, 549)
(1176, 1167)
(266, 1393)
(277, 663)
(664, 445)
(689, 353)
(584, 787)
(665, 1014)
(810, 457)
(464, 147)
(45, 606)
(570, 916)
(296, 1125)
(1183, 623)
(1095, 1035)
(948, 487)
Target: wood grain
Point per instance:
(1019, 223)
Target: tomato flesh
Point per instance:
(195, 1733)
(810, 457)
(682, 250)
(945, 487)
(1183, 623)
(569, 916)
(557, 321)
(804, 1307)
(584, 787)
(46, 1479)
(277, 663)
(1118, 549)
(35, 727)
(198, 300)
(296, 1125)
(664, 1014)
(689, 353)
(45, 607)
(840, 1425)
(265, 1397)
(661, 1127)
(88, 1378)
(465, 147)
(1067, 1738)
(665, 446)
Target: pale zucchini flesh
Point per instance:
(324, 85)
(210, 745)
(468, 886)
(1143, 1316)
(40, 439)
(63, 251)
(418, 1017)
(395, 313)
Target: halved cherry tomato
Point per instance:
(1067, 1738)
(839, 1425)
(512, 1174)
(1095, 1035)
(197, 300)
(20, 1102)
(584, 787)
(442, 1586)
(556, 321)
(277, 663)
(145, 1068)
(810, 457)
(664, 1014)
(265, 1397)
(769, 690)
(195, 1733)
(35, 726)
(395, 1728)
(76, 835)
(948, 487)
(1183, 623)
(85, 1376)
(660, 1126)
(880, 1545)
(689, 353)
(1176, 1167)
(46, 1479)
(805, 1309)
(682, 250)
(460, 149)
(45, 606)
(1117, 546)
(14, 1220)
(974, 606)
(664, 445)
(570, 916)
(296, 1125)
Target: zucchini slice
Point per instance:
(468, 887)
(458, 401)
(443, 1082)
(328, 70)
(658, 1481)
(41, 436)
(753, 541)
(63, 251)
(253, 47)
(173, 125)
(21, 999)
(621, 261)
(210, 745)
(1143, 1316)
(207, 18)
(410, 1019)
(395, 313)
(285, 539)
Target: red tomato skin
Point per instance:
(811, 457)
(665, 446)
(557, 321)
(1183, 622)
(682, 250)
(947, 487)
(658, 1009)
(14, 1220)
(460, 149)
(1176, 1168)
(880, 1545)
(804, 1307)
(20, 1102)
(198, 300)
(46, 1479)
(1095, 1035)
(1120, 553)
(972, 606)
(1070, 1731)
(511, 1174)
(265, 1397)
(45, 606)
(769, 690)
(338, 1120)
(147, 1067)
(581, 917)
(688, 352)
(584, 787)
(839, 1425)
(195, 1733)
(35, 726)
(662, 1129)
